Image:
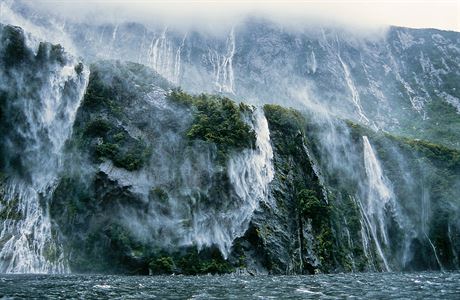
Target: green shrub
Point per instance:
(130, 158)
(107, 150)
(162, 265)
(311, 207)
(10, 209)
(97, 127)
(217, 120)
(159, 194)
(288, 120)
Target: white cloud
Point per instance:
(442, 14)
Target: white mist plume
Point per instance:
(410, 13)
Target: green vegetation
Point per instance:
(290, 133)
(438, 154)
(289, 125)
(99, 127)
(311, 207)
(161, 265)
(72, 199)
(9, 210)
(442, 127)
(106, 140)
(159, 194)
(131, 159)
(217, 120)
(289, 120)
(319, 213)
(101, 95)
(189, 264)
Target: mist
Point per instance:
(340, 104)
(215, 15)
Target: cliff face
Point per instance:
(40, 90)
(397, 79)
(111, 168)
(400, 80)
(153, 174)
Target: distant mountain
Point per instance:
(116, 162)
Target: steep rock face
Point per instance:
(285, 239)
(422, 179)
(154, 180)
(120, 193)
(40, 90)
(147, 182)
(397, 79)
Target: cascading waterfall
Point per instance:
(161, 57)
(365, 237)
(379, 197)
(354, 92)
(223, 66)
(177, 61)
(351, 85)
(27, 244)
(112, 41)
(317, 171)
(425, 218)
(191, 214)
(250, 173)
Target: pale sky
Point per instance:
(441, 14)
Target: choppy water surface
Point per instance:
(426, 285)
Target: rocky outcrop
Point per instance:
(144, 178)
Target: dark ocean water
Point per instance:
(425, 285)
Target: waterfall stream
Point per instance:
(379, 196)
(46, 112)
(424, 216)
(163, 59)
(223, 65)
(249, 173)
(192, 214)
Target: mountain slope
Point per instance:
(112, 168)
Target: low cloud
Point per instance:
(443, 14)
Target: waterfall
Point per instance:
(203, 204)
(44, 112)
(317, 171)
(112, 41)
(250, 173)
(312, 63)
(365, 237)
(425, 220)
(223, 66)
(354, 92)
(163, 59)
(177, 61)
(379, 196)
